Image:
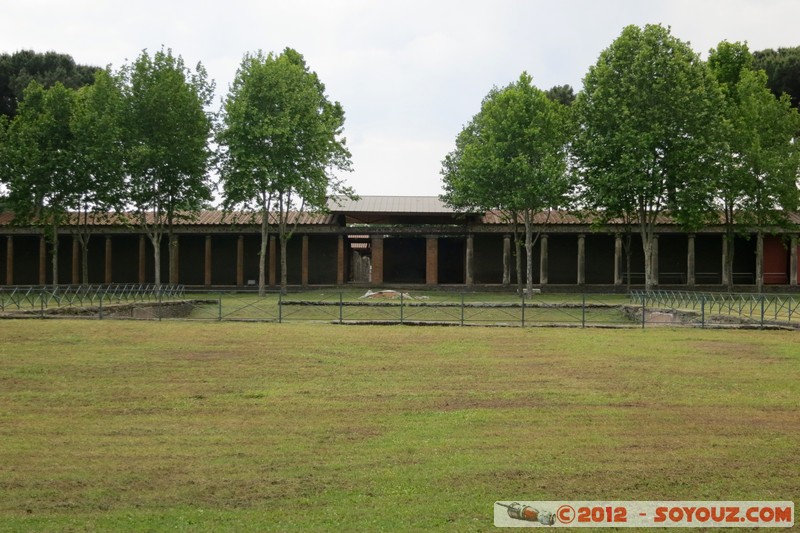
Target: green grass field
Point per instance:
(205, 426)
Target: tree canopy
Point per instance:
(281, 142)
(17, 70)
(648, 119)
(166, 132)
(783, 71)
(511, 156)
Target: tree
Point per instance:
(281, 139)
(758, 161)
(648, 119)
(512, 157)
(783, 71)
(39, 158)
(563, 94)
(98, 166)
(17, 70)
(166, 131)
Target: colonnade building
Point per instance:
(385, 241)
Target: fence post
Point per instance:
(41, 304)
(101, 308)
(462, 308)
(401, 306)
(762, 310)
(280, 307)
(644, 296)
(340, 307)
(160, 301)
(219, 307)
(523, 310)
(703, 311)
(583, 310)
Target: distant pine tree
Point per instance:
(17, 70)
(783, 71)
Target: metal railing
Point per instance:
(33, 297)
(749, 308)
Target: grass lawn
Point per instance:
(205, 426)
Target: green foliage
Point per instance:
(281, 141)
(17, 70)
(512, 155)
(166, 132)
(783, 71)
(758, 160)
(649, 115)
(563, 94)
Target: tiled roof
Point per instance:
(409, 205)
(203, 218)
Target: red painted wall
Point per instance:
(776, 261)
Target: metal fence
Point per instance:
(637, 309)
(725, 308)
(32, 299)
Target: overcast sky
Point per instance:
(408, 73)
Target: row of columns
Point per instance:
(431, 260)
(142, 260)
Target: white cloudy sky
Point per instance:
(409, 73)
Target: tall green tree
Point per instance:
(648, 118)
(166, 132)
(282, 142)
(39, 159)
(17, 70)
(758, 161)
(512, 157)
(783, 71)
(98, 165)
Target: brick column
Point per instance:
(793, 262)
(340, 260)
(9, 260)
(240, 261)
(470, 261)
(581, 259)
(542, 260)
(108, 261)
(273, 261)
(142, 259)
(304, 262)
(207, 276)
(432, 260)
(506, 260)
(617, 259)
(377, 260)
(690, 261)
(42, 261)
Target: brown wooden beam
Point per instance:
(207, 269)
(109, 260)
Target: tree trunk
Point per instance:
(55, 256)
(628, 254)
(262, 255)
(647, 246)
(283, 240)
(155, 240)
(173, 275)
(84, 240)
(729, 237)
(528, 254)
(518, 260)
